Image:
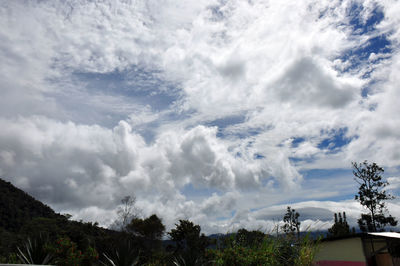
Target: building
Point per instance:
(380, 249)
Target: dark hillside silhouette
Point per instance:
(17, 207)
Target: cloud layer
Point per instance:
(217, 111)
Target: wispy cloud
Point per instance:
(241, 100)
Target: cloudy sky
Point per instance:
(219, 111)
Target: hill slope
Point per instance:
(18, 208)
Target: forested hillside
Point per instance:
(32, 233)
(18, 208)
(22, 217)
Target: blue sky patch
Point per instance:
(297, 141)
(379, 44)
(140, 85)
(223, 123)
(258, 156)
(355, 13)
(336, 140)
(338, 180)
(191, 192)
(303, 159)
(360, 55)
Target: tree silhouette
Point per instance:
(126, 212)
(340, 227)
(148, 231)
(292, 223)
(190, 243)
(187, 235)
(371, 195)
(151, 228)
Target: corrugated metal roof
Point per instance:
(386, 234)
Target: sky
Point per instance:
(223, 112)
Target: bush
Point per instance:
(283, 250)
(66, 253)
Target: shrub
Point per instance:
(66, 253)
(283, 250)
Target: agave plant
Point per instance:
(180, 261)
(34, 251)
(124, 254)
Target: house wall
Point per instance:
(343, 252)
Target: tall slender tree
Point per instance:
(292, 223)
(373, 196)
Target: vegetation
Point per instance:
(34, 251)
(32, 233)
(340, 228)
(292, 223)
(190, 244)
(148, 233)
(265, 250)
(151, 228)
(372, 195)
(126, 212)
(17, 207)
(125, 253)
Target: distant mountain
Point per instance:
(17, 207)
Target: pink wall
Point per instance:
(339, 263)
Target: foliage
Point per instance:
(11, 258)
(90, 256)
(83, 234)
(286, 249)
(35, 251)
(147, 234)
(340, 227)
(234, 253)
(66, 252)
(122, 254)
(158, 258)
(198, 261)
(246, 238)
(150, 228)
(17, 207)
(371, 195)
(190, 243)
(306, 251)
(187, 236)
(8, 242)
(292, 223)
(270, 251)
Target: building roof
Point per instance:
(386, 234)
(392, 235)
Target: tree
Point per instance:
(151, 228)
(190, 243)
(292, 223)
(249, 238)
(126, 212)
(340, 227)
(150, 231)
(372, 195)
